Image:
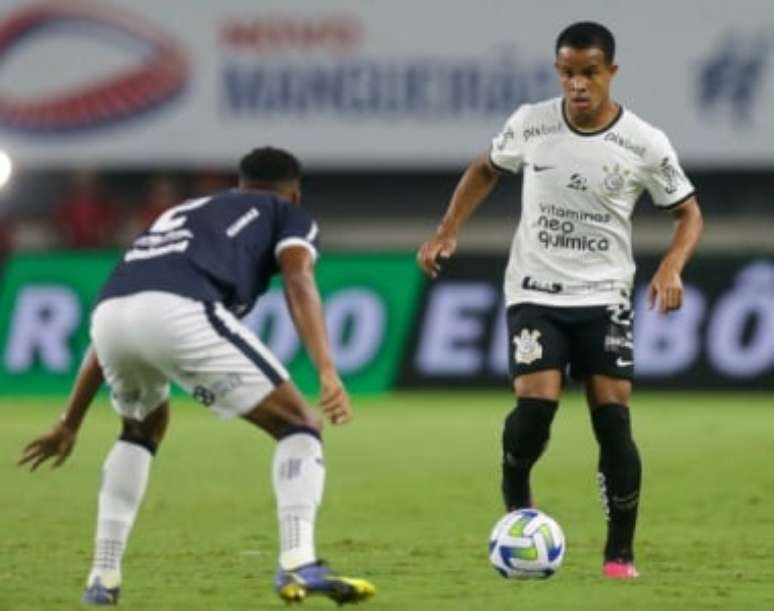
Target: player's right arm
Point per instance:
(472, 189)
(58, 443)
(506, 154)
(297, 267)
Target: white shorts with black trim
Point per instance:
(143, 341)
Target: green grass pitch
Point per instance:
(412, 493)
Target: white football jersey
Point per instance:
(573, 245)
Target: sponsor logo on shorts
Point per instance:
(617, 343)
(204, 395)
(621, 314)
(528, 348)
(225, 385)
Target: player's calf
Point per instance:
(620, 474)
(525, 436)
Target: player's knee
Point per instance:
(311, 420)
(612, 428)
(298, 416)
(606, 391)
(527, 428)
(131, 433)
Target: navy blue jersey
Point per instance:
(223, 247)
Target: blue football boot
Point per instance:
(317, 578)
(98, 594)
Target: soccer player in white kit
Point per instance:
(585, 161)
(169, 312)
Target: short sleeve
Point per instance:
(507, 152)
(297, 228)
(664, 178)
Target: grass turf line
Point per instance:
(412, 492)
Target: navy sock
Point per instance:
(525, 436)
(620, 475)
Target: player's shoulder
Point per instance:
(642, 130)
(549, 110)
(267, 204)
(247, 197)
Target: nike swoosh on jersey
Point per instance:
(619, 362)
(542, 168)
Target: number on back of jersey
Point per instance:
(167, 234)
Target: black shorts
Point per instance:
(589, 339)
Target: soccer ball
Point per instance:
(526, 544)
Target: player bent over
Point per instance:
(586, 160)
(168, 313)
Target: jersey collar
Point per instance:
(596, 132)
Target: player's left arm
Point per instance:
(305, 305)
(666, 286)
(58, 443)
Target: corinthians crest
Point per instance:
(615, 179)
(527, 347)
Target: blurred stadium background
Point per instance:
(113, 111)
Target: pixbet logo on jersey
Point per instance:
(157, 78)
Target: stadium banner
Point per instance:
(370, 301)
(389, 328)
(722, 337)
(349, 83)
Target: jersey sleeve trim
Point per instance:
(682, 200)
(498, 168)
(288, 242)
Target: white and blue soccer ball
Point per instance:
(526, 544)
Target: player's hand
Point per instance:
(440, 246)
(334, 400)
(665, 290)
(56, 444)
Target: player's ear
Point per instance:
(296, 199)
(293, 191)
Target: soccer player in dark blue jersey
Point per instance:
(169, 312)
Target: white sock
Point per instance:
(298, 473)
(124, 479)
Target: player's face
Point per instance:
(585, 77)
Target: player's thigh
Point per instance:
(539, 385)
(602, 342)
(137, 386)
(538, 350)
(221, 362)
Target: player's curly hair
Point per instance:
(588, 35)
(269, 165)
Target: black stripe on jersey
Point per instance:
(498, 168)
(596, 132)
(241, 345)
(682, 200)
